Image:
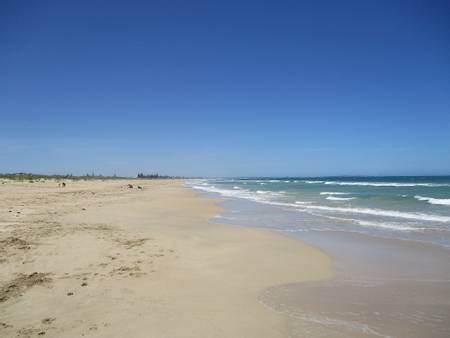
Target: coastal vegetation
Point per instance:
(36, 177)
(157, 176)
(93, 176)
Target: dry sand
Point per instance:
(97, 259)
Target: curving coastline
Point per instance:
(102, 260)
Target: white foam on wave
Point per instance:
(383, 225)
(379, 184)
(274, 181)
(334, 193)
(432, 200)
(385, 213)
(333, 198)
(388, 226)
(387, 184)
(197, 182)
(241, 193)
(271, 193)
(261, 196)
(270, 198)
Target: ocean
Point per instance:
(402, 207)
(389, 239)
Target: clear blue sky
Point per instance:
(225, 87)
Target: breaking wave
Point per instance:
(270, 197)
(431, 200)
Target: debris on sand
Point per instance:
(16, 242)
(48, 320)
(134, 271)
(131, 243)
(19, 285)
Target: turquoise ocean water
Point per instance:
(414, 208)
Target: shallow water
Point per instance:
(396, 207)
(339, 309)
(389, 281)
(382, 288)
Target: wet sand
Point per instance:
(97, 259)
(382, 288)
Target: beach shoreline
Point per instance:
(382, 287)
(98, 259)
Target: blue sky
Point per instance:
(225, 88)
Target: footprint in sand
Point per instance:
(30, 332)
(48, 320)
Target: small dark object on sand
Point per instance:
(84, 284)
(47, 320)
(130, 186)
(83, 208)
(139, 187)
(70, 293)
(63, 184)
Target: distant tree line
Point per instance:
(156, 176)
(30, 177)
(92, 176)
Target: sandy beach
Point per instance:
(225, 169)
(98, 259)
(383, 285)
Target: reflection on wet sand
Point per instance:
(402, 291)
